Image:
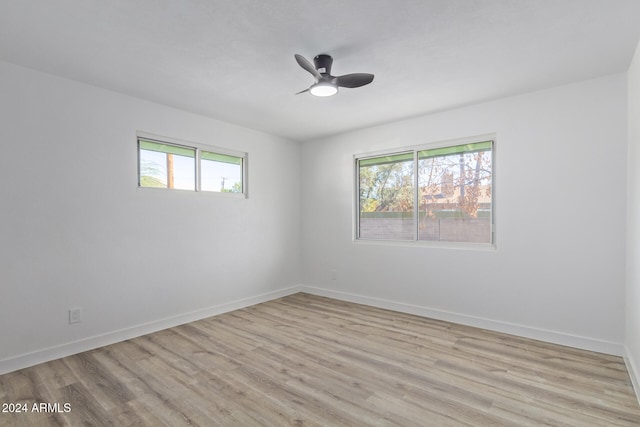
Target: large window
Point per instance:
(438, 193)
(181, 166)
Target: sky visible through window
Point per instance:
(215, 176)
(220, 176)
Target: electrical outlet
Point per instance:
(74, 315)
(334, 275)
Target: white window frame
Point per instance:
(198, 147)
(416, 149)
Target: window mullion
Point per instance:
(198, 174)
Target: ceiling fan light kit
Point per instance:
(326, 84)
(323, 89)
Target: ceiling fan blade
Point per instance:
(354, 80)
(302, 61)
(303, 91)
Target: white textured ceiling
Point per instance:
(233, 60)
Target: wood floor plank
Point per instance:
(305, 360)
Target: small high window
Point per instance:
(440, 193)
(173, 165)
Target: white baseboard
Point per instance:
(634, 373)
(67, 349)
(575, 341)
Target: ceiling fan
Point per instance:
(326, 84)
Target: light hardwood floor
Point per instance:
(305, 360)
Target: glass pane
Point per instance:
(456, 149)
(224, 158)
(220, 172)
(386, 197)
(383, 160)
(455, 193)
(167, 166)
(166, 148)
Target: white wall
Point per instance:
(75, 230)
(558, 273)
(632, 335)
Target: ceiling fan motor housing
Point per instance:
(323, 63)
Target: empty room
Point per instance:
(338, 213)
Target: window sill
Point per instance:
(185, 191)
(487, 247)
